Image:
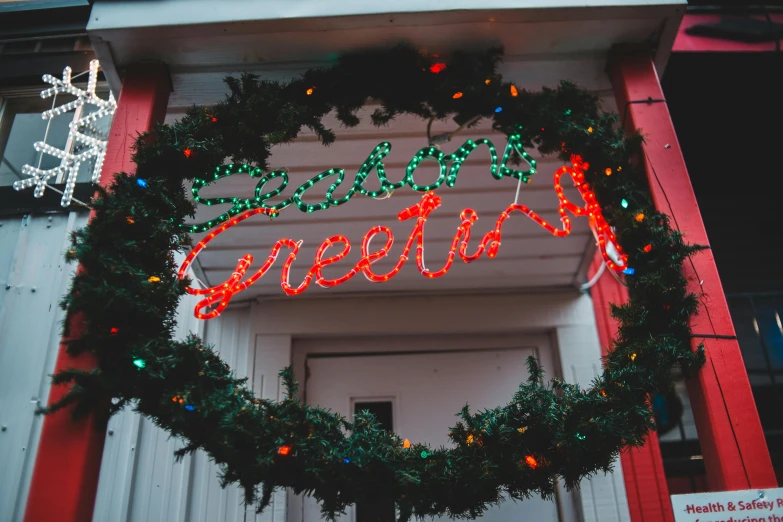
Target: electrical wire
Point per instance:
(595, 278)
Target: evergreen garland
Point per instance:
(128, 291)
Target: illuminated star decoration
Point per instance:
(82, 135)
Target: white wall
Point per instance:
(141, 482)
(33, 278)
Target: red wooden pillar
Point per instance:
(68, 462)
(732, 441)
(645, 480)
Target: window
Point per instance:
(21, 126)
(380, 509)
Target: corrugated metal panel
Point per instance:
(33, 278)
(140, 479)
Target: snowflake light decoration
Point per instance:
(85, 140)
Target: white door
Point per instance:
(427, 381)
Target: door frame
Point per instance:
(542, 343)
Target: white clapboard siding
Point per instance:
(33, 278)
(602, 496)
(530, 257)
(140, 479)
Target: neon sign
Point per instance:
(219, 296)
(374, 162)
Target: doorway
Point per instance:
(415, 386)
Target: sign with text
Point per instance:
(753, 505)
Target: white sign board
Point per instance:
(753, 505)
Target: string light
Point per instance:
(580, 436)
(498, 109)
(647, 248)
(608, 171)
(284, 450)
(457, 95)
(347, 461)
(470, 439)
(79, 131)
(141, 182)
(139, 363)
(424, 454)
(406, 444)
(531, 461)
(603, 393)
(633, 357)
(190, 407)
(178, 399)
(374, 163)
(435, 68)
(114, 331)
(214, 120)
(310, 91)
(220, 295)
(522, 429)
(639, 217)
(154, 279)
(187, 152)
(629, 271)
(130, 220)
(589, 130)
(624, 203)
(513, 90)
(487, 81)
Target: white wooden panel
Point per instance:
(194, 85)
(140, 479)
(603, 497)
(421, 315)
(33, 278)
(210, 502)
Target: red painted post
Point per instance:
(68, 462)
(645, 480)
(732, 441)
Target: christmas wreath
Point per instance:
(128, 291)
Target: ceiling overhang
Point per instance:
(544, 41)
(233, 35)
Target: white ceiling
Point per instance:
(528, 258)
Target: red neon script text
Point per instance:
(221, 295)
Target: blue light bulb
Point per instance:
(499, 109)
(141, 182)
(190, 407)
(347, 461)
(629, 271)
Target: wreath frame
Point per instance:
(128, 291)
